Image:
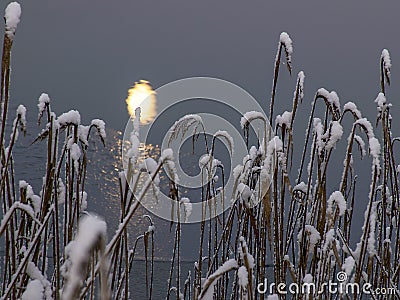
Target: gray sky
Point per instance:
(86, 54)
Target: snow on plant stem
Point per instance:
(333, 135)
(21, 113)
(35, 274)
(16, 205)
(386, 60)
(361, 144)
(350, 106)
(183, 124)
(71, 117)
(300, 79)
(101, 127)
(312, 234)
(75, 155)
(381, 102)
(329, 238)
(12, 16)
(34, 291)
(285, 119)
(20, 119)
(386, 64)
(92, 231)
(250, 116)
(332, 101)
(375, 150)
(348, 265)
(208, 286)
(287, 43)
(248, 261)
(372, 224)
(187, 207)
(224, 134)
(167, 159)
(336, 199)
(43, 102)
(243, 277)
(133, 152)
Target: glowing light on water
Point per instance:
(142, 95)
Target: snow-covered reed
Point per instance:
(291, 218)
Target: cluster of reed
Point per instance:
(291, 219)
(56, 250)
(36, 229)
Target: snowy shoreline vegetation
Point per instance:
(55, 249)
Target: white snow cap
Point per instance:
(337, 199)
(249, 116)
(167, 154)
(275, 144)
(286, 119)
(224, 134)
(21, 111)
(361, 144)
(350, 106)
(348, 265)
(329, 238)
(75, 151)
(381, 101)
(187, 206)
(285, 40)
(243, 277)
(150, 165)
(312, 233)
(34, 291)
(374, 150)
(308, 278)
(71, 117)
(239, 169)
(336, 132)
(318, 131)
(245, 193)
(212, 279)
(75, 155)
(332, 98)
(101, 127)
(322, 92)
(387, 63)
(44, 100)
(367, 127)
(372, 224)
(244, 253)
(34, 200)
(300, 80)
(301, 187)
(12, 16)
(35, 274)
(169, 165)
(90, 230)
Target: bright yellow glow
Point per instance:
(142, 95)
